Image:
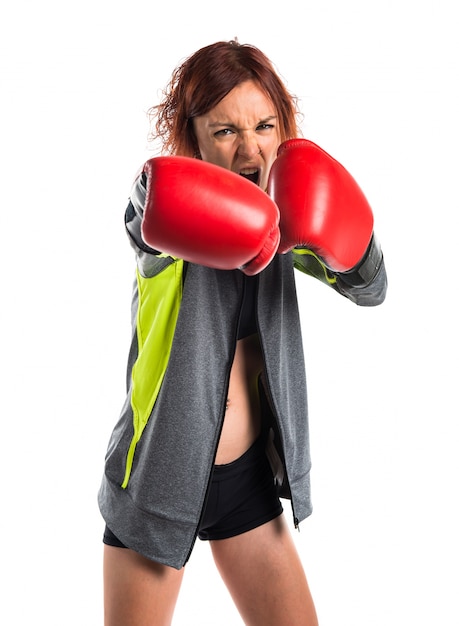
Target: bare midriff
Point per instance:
(242, 422)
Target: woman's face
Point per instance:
(241, 133)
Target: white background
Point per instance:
(378, 86)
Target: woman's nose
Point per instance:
(248, 147)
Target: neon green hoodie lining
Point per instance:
(157, 312)
(308, 262)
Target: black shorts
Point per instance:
(242, 496)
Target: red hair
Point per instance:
(205, 78)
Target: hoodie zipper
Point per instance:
(222, 418)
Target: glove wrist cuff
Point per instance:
(139, 194)
(367, 268)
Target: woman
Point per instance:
(214, 429)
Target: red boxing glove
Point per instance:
(206, 214)
(321, 205)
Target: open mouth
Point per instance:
(251, 174)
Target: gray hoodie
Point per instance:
(154, 506)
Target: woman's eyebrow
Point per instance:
(270, 118)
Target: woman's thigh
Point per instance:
(137, 591)
(265, 577)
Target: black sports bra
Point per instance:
(247, 319)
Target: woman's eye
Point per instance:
(265, 126)
(223, 132)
